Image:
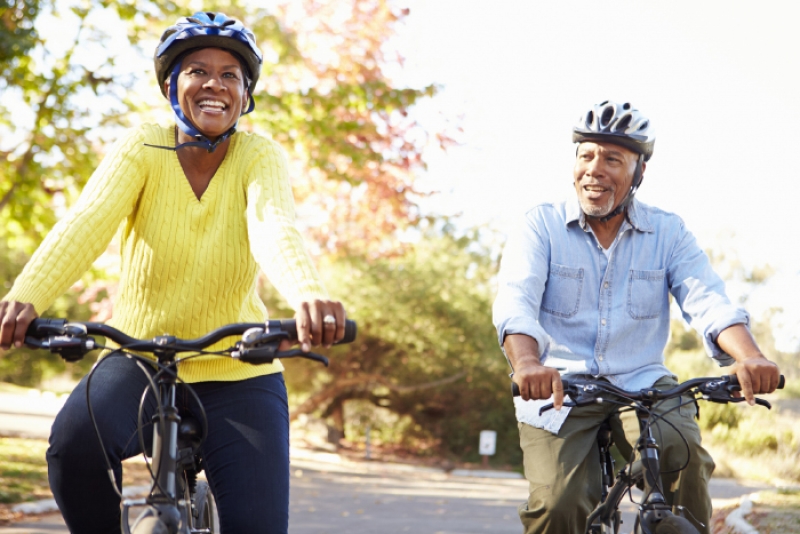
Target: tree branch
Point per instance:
(336, 390)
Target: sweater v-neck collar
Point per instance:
(210, 191)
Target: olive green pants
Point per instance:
(564, 470)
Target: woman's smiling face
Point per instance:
(211, 90)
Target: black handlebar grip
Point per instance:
(350, 330)
(515, 389)
(734, 381)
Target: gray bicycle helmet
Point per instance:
(621, 124)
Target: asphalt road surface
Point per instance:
(336, 497)
(331, 494)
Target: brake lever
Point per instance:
(70, 348)
(567, 404)
(297, 353)
(269, 352)
(760, 402)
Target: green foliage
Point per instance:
(756, 434)
(426, 347)
(17, 34)
(27, 367)
(740, 434)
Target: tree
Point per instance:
(17, 34)
(354, 146)
(323, 94)
(426, 347)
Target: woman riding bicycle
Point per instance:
(203, 206)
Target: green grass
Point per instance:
(23, 470)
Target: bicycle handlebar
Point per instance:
(584, 392)
(72, 341)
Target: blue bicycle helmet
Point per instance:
(620, 124)
(204, 30)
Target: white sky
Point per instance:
(717, 78)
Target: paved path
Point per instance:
(333, 495)
(364, 499)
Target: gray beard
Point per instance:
(598, 211)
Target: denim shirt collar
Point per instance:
(636, 216)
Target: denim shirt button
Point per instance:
(600, 358)
(603, 322)
(605, 284)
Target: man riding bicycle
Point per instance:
(204, 207)
(584, 289)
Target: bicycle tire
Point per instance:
(671, 524)
(150, 525)
(204, 508)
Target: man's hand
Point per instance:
(320, 322)
(757, 375)
(15, 317)
(535, 381)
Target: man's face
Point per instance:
(603, 175)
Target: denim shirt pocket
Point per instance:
(646, 293)
(562, 293)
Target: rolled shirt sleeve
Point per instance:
(521, 282)
(700, 294)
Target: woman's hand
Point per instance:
(15, 317)
(319, 322)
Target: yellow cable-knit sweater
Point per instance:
(188, 265)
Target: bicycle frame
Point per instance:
(654, 512)
(164, 501)
(605, 518)
(170, 502)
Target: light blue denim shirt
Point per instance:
(608, 313)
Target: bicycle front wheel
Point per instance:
(671, 524)
(150, 525)
(204, 509)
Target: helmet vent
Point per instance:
(605, 118)
(626, 106)
(644, 125)
(623, 123)
(589, 118)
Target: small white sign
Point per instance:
(488, 442)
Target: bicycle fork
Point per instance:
(655, 507)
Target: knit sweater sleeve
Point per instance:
(275, 241)
(79, 238)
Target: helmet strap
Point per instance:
(637, 181)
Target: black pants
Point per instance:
(246, 453)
